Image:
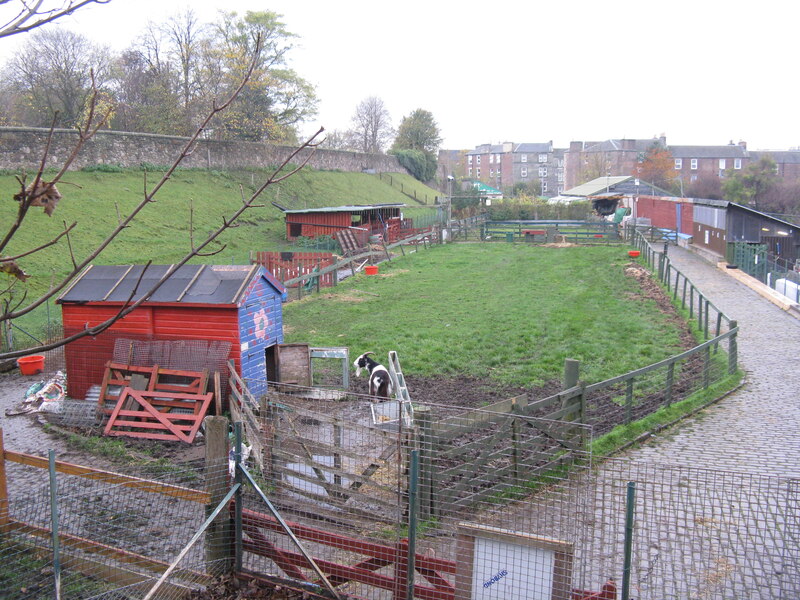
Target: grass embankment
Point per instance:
(192, 199)
(512, 313)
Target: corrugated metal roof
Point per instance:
(596, 186)
(190, 284)
(335, 209)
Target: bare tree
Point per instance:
(372, 125)
(20, 16)
(186, 36)
(41, 193)
(51, 72)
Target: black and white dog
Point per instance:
(380, 382)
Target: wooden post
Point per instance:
(337, 458)
(629, 402)
(670, 379)
(3, 487)
(219, 536)
(515, 443)
(733, 349)
(572, 369)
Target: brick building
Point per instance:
(504, 165)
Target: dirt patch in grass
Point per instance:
(652, 290)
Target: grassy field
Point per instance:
(94, 199)
(510, 312)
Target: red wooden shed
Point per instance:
(238, 308)
(376, 219)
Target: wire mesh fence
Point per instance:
(454, 504)
(116, 534)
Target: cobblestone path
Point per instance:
(757, 428)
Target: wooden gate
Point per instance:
(289, 265)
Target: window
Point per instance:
(737, 163)
(542, 171)
(678, 164)
(694, 164)
(478, 172)
(491, 158)
(491, 172)
(469, 159)
(544, 185)
(560, 189)
(693, 178)
(469, 172)
(523, 172)
(478, 161)
(721, 164)
(560, 176)
(524, 158)
(543, 158)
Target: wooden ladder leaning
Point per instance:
(400, 389)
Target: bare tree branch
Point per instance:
(31, 15)
(149, 197)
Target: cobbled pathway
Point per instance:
(757, 428)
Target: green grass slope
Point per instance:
(193, 200)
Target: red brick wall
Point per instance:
(662, 212)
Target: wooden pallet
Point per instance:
(150, 378)
(350, 245)
(155, 415)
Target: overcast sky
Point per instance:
(698, 71)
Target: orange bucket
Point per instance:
(31, 365)
(633, 253)
(371, 270)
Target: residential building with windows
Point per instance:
(504, 165)
(699, 162)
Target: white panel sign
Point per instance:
(500, 564)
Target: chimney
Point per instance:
(743, 144)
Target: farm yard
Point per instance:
(474, 325)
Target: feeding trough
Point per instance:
(31, 365)
(387, 415)
(371, 269)
(634, 253)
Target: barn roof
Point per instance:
(190, 284)
(336, 209)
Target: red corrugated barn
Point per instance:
(378, 219)
(235, 306)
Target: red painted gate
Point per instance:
(288, 265)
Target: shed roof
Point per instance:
(596, 186)
(190, 284)
(336, 209)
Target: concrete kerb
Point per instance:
(762, 289)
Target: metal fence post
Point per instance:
(629, 514)
(733, 350)
(413, 487)
(54, 525)
(237, 458)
